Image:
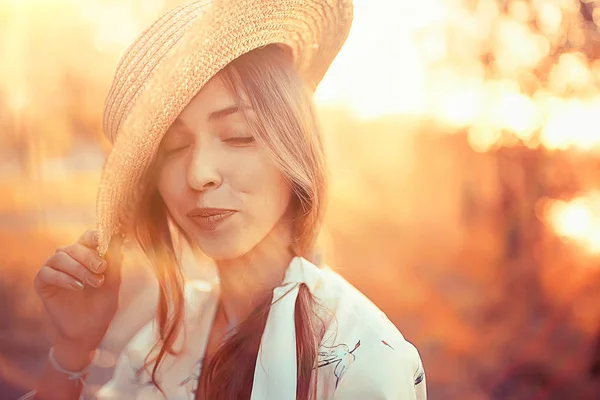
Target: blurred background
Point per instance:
(464, 147)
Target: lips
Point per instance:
(209, 219)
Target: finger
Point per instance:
(114, 260)
(51, 277)
(89, 239)
(86, 256)
(61, 261)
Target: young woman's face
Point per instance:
(217, 182)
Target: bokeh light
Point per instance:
(577, 220)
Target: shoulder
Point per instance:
(370, 356)
(352, 312)
(130, 378)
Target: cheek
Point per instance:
(264, 185)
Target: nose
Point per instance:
(203, 171)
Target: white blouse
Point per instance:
(362, 355)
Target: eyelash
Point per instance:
(175, 150)
(240, 140)
(235, 141)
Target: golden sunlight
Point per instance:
(577, 220)
(464, 152)
(424, 58)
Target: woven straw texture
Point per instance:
(171, 61)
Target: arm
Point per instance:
(80, 291)
(55, 384)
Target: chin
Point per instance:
(226, 244)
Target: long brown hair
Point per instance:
(286, 125)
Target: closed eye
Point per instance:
(240, 141)
(176, 149)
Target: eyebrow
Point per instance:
(214, 116)
(224, 112)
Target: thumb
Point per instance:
(114, 261)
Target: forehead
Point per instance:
(215, 95)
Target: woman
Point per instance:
(215, 144)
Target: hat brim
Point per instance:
(210, 36)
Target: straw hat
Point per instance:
(173, 59)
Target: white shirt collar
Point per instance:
(275, 375)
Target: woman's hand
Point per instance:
(80, 291)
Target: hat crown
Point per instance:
(142, 57)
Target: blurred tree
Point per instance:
(595, 359)
(60, 58)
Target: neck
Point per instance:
(249, 280)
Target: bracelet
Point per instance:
(72, 375)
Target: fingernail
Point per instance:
(95, 281)
(96, 264)
(75, 284)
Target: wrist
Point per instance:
(72, 358)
